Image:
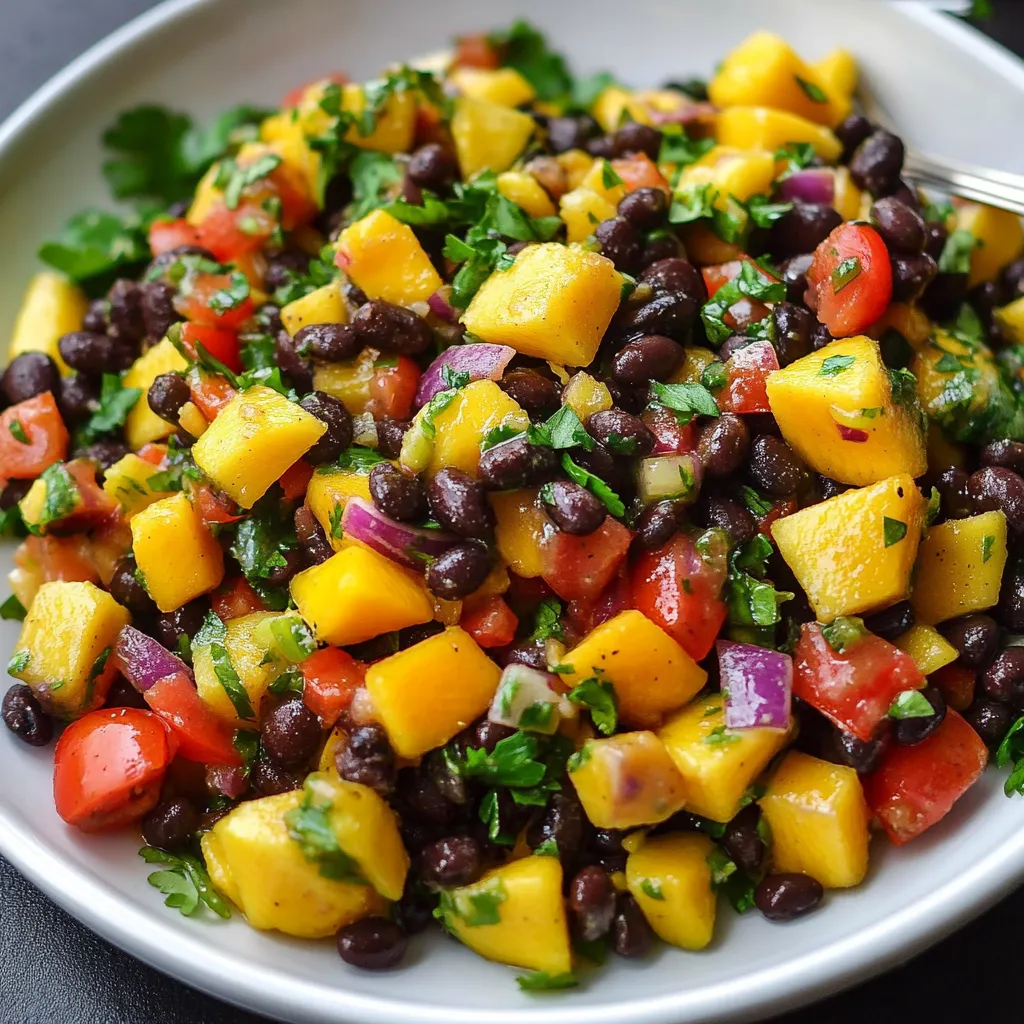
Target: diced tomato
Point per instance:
(202, 735)
(201, 304)
(578, 568)
(476, 51)
(294, 97)
(235, 599)
(720, 274)
(39, 421)
(153, 453)
(393, 389)
(332, 677)
(108, 767)
(855, 689)
(489, 621)
(747, 373)
(94, 505)
(210, 393)
(640, 171)
(956, 683)
(745, 312)
(916, 786)
(680, 590)
(298, 207)
(221, 234)
(616, 597)
(295, 480)
(213, 507)
(57, 558)
(165, 235)
(849, 282)
(670, 437)
(221, 344)
(781, 508)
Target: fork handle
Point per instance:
(1001, 189)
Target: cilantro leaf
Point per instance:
(832, 366)
(513, 762)
(893, 530)
(96, 247)
(595, 485)
(12, 608)
(375, 178)
(598, 697)
(259, 545)
(541, 981)
(564, 429)
(813, 92)
(475, 909)
(756, 505)
(752, 283)
(691, 399)
(309, 825)
(525, 49)
(116, 401)
(62, 495)
(911, 704)
(956, 253)
(845, 273)
(678, 148)
(844, 632)
(547, 620)
(652, 889)
(184, 881)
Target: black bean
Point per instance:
(327, 343)
(390, 433)
(412, 635)
(391, 328)
(453, 860)
(291, 734)
(620, 432)
(284, 267)
(989, 720)
(528, 652)
(565, 133)
(600, 146)
(168, 257)
(167, 394)
(911, 275)
(891, 623)
(538, 395)
(28, 375)
(516, 463)
(645, 208)
(311, 536)
(126, 589)
(742, 841)
(170, 627)
(652, 357)
(367, 758)
(864, 756)
(908, 196)
(573, 508)
(676, 276)
(793, 327)
(672, 315)
(1005, 676)
(1010, 610)
(723, 445)
(296, 370)
(104, 452)
(729, 515)
(170, 825)
(77, 398)
(802, 229)
(125, 320)
(1013, 279)
(633, 137)
(423, 800)
(293, 561)
(901, 227)
(820, 337)
(975, 637)
(271, 779)
(158, 312)
(631, 934)
(851, 133)
(987, 297)
(877, 163)
(608, 848)
(600, 461)
(943, 296)
(397, 494)
(338, 436)
(619, 242)
(956, 501)
(24, 716)
(433, 167)
(459, 504)
(95, 318)
(459, 571)
(372, 944)
(661, 245)
(93, 354)
(794, 276)
(414, 912)
(995, 487)
(13, 492)
(775, 467)
(487, 735)
(908, 731)
(783, 896)
(592, 903)
(564, 822)
(658, 524)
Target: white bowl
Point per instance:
(952, 92)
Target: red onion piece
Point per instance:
(441, 305)
(811, 185)
(479, 359)
(852, 433)
(527, 691)
(757, 684)
(143, 660)
(400, 542)
(676, 477)
(228, 780)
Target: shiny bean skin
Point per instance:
(167, 394)
(901, 228)
(433, 167)
(573, 508)
(851, 133)
(956, 501)
(877, 163)
(908, 731)
(126, 589)
(989, 720)
(976, 638)
(170, 825)
(327, 343)
(1003, 680)
(372, 944)
(565, 133)
(631, 934)
(459, 571)
(291, 734)
(658, 524)
(94, 354)
(891, 623)
(775, 467)
(742, 841)
(651, 357)
(516, 463)
(1006, 453)
(1010, 610)
(391, 328)
(367, 758)
(390, 433)
(619, 242)
(24, 716)
(645, 208)
(620, 432)
(794, 276)
(802, 229)
(723, 445)
(397, 494)
(793, 327)
(633, 137)
(731, 516)
(564, 822)
(28, 375)
(995, 487)
(538, 395)
(453, 860)
(592, 903)
(784, 896)
(312, 539)
(333, 414)
(460, 504)
(911, 275)
(676, 275)
(863, 756)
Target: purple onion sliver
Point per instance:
(479, 359)
(400, 542)
(811, 185)
(757, 686)
(145, 660)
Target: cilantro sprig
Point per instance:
(184, 881)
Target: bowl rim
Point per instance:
(216, 971)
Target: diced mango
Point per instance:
(839, 71)
(385, 259)
(586, 395)
(503, 86)
(733, 172)
(614, 101)
(520, 528)
(358, 594)
(903, 317)
(670, 878)
(582, 210)
(515, 914)
(52, 307)
(652, 675)
(960, 567)
(1011, 319)
(325, 305)
(128, 481)
(575, 163)
(846, 197)
(395, 123)
(191, 419)
(327, 494)
(854, 552)
(555, 302)
(64, 644)
(254, 439)
(427, 693)
(142, 424)
(761, 128)
(627, 780)
(819, 820)
(928, 647)
(348, 380)
(488, 136)
(695, 361)
(718, 765)
(178, 557)
(526, 191)
(287, 136)
(837, 409)
(595, 180)
(1000, 235)
(704, 248)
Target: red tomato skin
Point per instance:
(48, 438)
(680, 591)
(490, 622)
(295, 480)
(165, 235)
(332, 677)
(578, 568)
(670, 438)
(393, 389)
(201, 735)
(915, 786)
(235, 599)
(640, 171)
(616, 597)
(781, 508)
(476, 51)
(153, 453)
(58, 558)
(854, 689)
(747, 373)
(221, 344)
(718, 274)
(863, 300)
(210, 393)
(213, 508)
(108, 767)
(196, 304)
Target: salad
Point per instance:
(520, 503)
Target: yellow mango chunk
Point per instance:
(395, 123)
(515, 914)
(178, 557)
(503, 86)
(325, 305)
(846, 197)
(555, 302)
(733, 172)
(348, 380)
(582, 210)
(128, 482)
(385, 259)
(1011, 319)
(143, 425)
(51, 307)
(526, 191)
(1001, 237)
(358, 594)
(287, 136)
(928, 647)
(254, 861)
(756, 127)
(586, 395)
(520, 528)
(62, 650)
(819, 820)
(670, 878)
(254, 439)
(488, 136)
(718, 765)
(192, 420)
(327, 494)
(652, 675)
(695, 361)
(960, 567)
(839, 71)
(575, 163)
(613, 102)
(627, 780)
(427, 693)
(837, 409)
(854, 552)
(594, 180)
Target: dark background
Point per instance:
(54, 971)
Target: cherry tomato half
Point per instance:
(201, 735)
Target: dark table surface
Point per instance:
(54, 971)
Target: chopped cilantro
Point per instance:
(689, 399)
(18, 663)
(911, 704)
(844, 632)
(549, 848)
(903, 385)
(956, 253)
(609, 176)
(336, 513)
(652, 889)
(259, 545)
(18, 431)
(184, 881)
(309, 825)
(375, 178)
(94, 248)
(751, 599)
(547, 620)
(232, 295)
(12, 608)
(62, 497)
(242, 178)
(832, 366)
(987, 543)
(513, 762)
(714, 376)
(524, 48)
(931, 512)
(752, 283)
(563, 429)
(474, 909)
(496, 435)
(1011, 751)
(813, 92)
(595, 485)
(356, 458)
(797, 155)
(598, 697)
(756, 505)
(893, 530)
(846, 273)
(116, 401)
(718, 737)
(678, 148)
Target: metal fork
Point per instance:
(1002, 189)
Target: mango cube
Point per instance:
(555, 302)
(526, 191)
(1011, 319)
(327, 494)
(143, 425)
(586, 395)
(520, 527)
(652, 675)
(178, 557)
(504, 86)
(718, 765)
(928, 647)
(395, 123)
(385, 259)
(1000, 235)
(427, 693)
(854, 552)
(960, 567)
(52, 306)
(594, 180)
(488, 136)
(63, 647)
(254, 439)
(627, 780)
(733, 172)
(127, 481)
(819, 820)
(670, 878)
(324, 305)
(838, 70)
(837, 409)
(287, 137)
(358, 594)
(582, 209)
(576, 163)
(758, 127)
